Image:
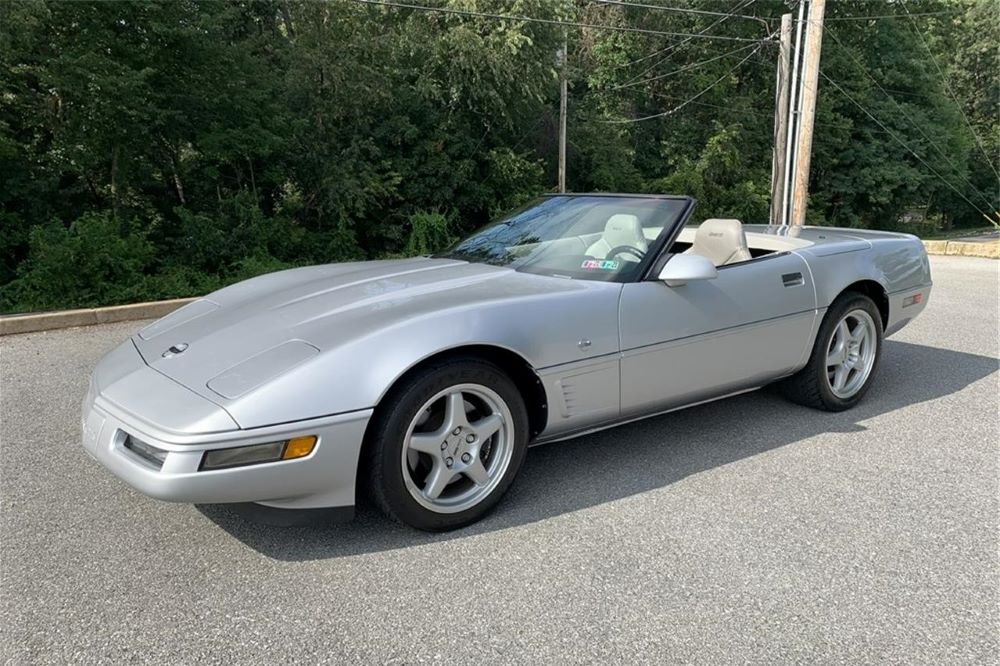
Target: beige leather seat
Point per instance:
(621, 229)
(721, 242)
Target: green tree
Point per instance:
(153, 148)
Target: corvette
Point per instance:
(423, 381)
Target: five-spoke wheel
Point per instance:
(458, 447)
(844, 357)
(446, 444)
(851, 353)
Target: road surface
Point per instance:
(748, 530)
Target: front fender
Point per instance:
(544, 329)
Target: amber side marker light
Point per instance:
(299, 447)
(255, 454)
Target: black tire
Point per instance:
(388, 432)
(811, 385)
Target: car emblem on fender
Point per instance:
(175, 350)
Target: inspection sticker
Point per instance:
(605, 265)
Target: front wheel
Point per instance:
(447, 444)
(844, 358)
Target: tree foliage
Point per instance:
(165, 148)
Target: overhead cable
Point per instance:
(565, 24)
(904, 145)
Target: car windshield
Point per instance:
(591, 237)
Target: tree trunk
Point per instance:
(115, 152)
(286, 18)
(178, 185)
(253, 180)
(93, 189)
(180, 189)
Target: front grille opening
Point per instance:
(147, 452)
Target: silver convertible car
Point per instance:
(423, 381)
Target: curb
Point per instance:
(987, 250)
(30, 323)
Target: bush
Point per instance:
(96, 260)
(429, 233)
(514, 178)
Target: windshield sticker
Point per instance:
(605, 265)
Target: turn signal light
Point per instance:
(298, 447)
(255, 454)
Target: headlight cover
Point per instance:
(149, 453)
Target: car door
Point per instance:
(683, 344)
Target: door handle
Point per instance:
(792, 280)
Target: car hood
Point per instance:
(237, 339)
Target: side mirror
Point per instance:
(683, 268)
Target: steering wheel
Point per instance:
(625, 249)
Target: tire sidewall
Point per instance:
(399, 410)
(844, 304)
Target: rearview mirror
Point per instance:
(683, 268)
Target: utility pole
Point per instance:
(563, 93)
(794, 102)
(810, 82)
(782, 86)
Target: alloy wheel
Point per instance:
(458, 448)
(850, 354)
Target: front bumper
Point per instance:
(324, 478)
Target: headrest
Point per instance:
(721, 241)
(624, 229)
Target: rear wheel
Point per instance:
(844, 358)
(447, 444)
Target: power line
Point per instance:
(673, 47)
(944, 78)
(755, 113)
(759, 114)
(885, 16)
(692, 99)
(682, 10)
(685, 68)
(903, 112)
(903, 144)
(565, 24)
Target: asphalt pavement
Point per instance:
(748, 530)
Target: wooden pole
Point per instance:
(810, 82)
(782, 86)
(794, 102)
(563, 93)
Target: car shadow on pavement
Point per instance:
(635, 458)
